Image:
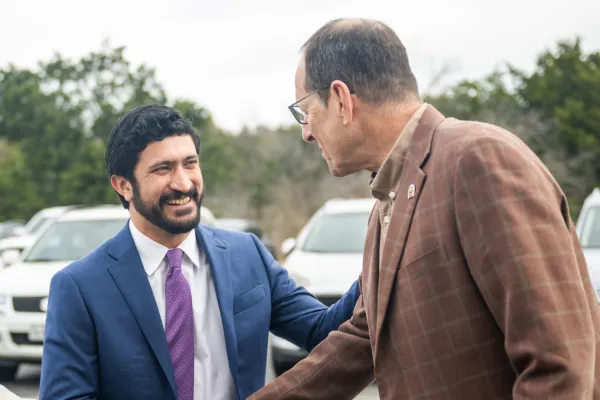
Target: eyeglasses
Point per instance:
(298, 113)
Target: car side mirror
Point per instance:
(10, 257)
(287, 246)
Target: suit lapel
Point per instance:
(393, 246)
(219, 260)
(371, 259)
(408, 192)
(129, 275)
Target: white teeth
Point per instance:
(179, 202)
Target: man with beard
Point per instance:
(170, 309)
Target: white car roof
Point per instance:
(593, 198)
(207, 217)
(95, 213)
(110, 211)
(335, 206)
(54, 211)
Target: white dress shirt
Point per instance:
(212, 377)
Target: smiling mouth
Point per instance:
(179, 202)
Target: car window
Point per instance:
(71, 240)
(337, 233)
(590, 231)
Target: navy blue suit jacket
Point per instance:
(104, 337)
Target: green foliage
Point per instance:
(565, 88)
(18, 189)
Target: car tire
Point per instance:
(8, 372)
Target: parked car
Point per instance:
(325, 258)
(11, 228)
(207, 217)
(12, 246)
(588, 231)
(247, 225)
(24, 287)
(8, 230)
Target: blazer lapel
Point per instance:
(129, 275)
(393, 246)
(408, 191)
(371, 276)
(219, 260)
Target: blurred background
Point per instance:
(70, 69)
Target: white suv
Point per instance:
(588, 230)
(12, 247)
(325, 258)
(24, 287)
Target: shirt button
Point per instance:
(386, 219)
(392, 195)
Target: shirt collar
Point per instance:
(152, 253)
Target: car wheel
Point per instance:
(8, 372)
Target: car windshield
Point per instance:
(71, 240)
(337, 233)
(590, 232)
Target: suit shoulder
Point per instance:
(477, 143)
(463, 133)
(231, 238)
(456, 138)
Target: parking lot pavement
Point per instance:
(28, 383)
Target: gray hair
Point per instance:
(366, 55)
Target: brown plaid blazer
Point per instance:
(482, 291)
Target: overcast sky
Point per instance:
(238, 58)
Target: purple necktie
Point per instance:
(180, 325)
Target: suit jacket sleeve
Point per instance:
(518, 239)
(296, 315)
(69, 360)
(340, 367)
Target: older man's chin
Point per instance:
(339, 171)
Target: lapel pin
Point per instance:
(411, 191)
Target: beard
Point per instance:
(155, 212)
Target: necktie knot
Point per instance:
(174, 257)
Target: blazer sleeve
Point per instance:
(296, 315)
(519, 243)
(69, 360)
(340, 367)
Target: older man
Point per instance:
(474, 285)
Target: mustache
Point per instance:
(176, 195)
